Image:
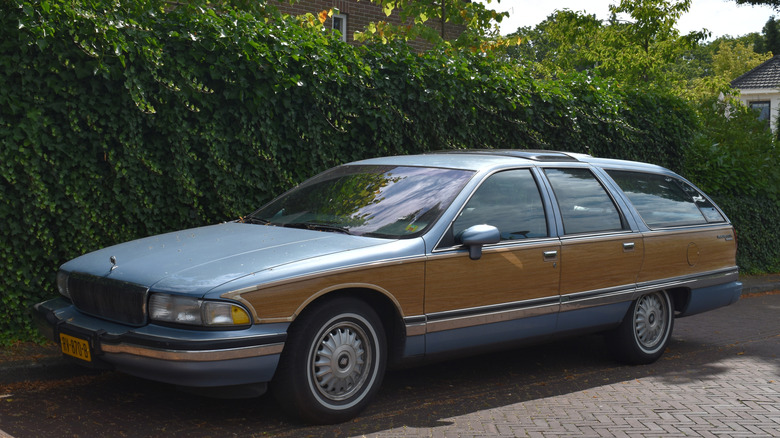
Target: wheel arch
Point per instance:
(384, 304)
(681, 297)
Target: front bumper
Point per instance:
(197, 358)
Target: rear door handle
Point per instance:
(628, 246)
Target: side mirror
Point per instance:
(477, 235)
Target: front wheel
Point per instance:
(333, 362)
(646, 329)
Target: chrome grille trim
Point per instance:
(110, 299)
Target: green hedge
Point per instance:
(757, 222)
(123, 119)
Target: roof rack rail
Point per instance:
(528, 154)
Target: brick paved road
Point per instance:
(719, 378)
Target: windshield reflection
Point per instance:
(380, 201)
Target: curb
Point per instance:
(51, 367)
(754, 284)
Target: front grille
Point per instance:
(110, 299)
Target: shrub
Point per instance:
(123, 119)
(757, 222)
(734, 153)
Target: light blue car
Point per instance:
(399, 260)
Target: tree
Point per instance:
(707, 69)
(773, 3)
(558, 44)
(640, 48)
(770, 40)
(426, 18)
(636, 50)
(734, 59)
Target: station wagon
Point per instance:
(397, 261)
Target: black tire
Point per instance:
(333, 362)
(645, 331)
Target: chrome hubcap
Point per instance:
(650, 320)
(341, 361)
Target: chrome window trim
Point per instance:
(509, 245)
(667, 173)
(540, 185)
(601, 235)
(625, 223)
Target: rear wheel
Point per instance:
(333, 362)
(646, 329)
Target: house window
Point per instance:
(762, 109)
(339, 23)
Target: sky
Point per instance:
(720, 17)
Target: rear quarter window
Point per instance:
(665, 201)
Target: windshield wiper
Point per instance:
(253, 220)
(317, 227)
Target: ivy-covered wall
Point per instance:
(123, 119)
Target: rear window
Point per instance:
(665, 201)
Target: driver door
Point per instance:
(511, 292)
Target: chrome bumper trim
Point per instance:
(193, 355)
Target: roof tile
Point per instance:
(766, 75)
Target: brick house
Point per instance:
(356, 15)
(760, 89)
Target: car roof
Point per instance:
(481, 159)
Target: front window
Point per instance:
(511, 202)
(377, 201)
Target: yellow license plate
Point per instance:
(75, 347)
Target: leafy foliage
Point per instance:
(635, 51)
(771, 37)
(426, 18)
(707, 71)
(758, 227)
(559, 44)
(124, 119)
(774, 3)
(735, 154)
(732, 154)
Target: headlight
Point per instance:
(193, 311)
(62, 283)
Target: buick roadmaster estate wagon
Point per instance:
(390, 261)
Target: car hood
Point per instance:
(197, 260)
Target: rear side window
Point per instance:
(585, 205)
(665, 201)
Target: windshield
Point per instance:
(378, 201)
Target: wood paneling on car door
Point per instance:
(502, 275)
(670, 254)
(593, 263)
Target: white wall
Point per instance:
(763, 95)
